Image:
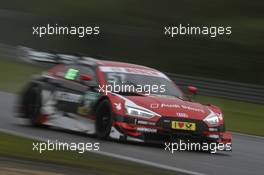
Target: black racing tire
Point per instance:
(33, 105)
(104, 119)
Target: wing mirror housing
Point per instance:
(85, 77)
(86, 80)
(193, 90)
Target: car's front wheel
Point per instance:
(104, 120)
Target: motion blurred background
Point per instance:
(224, 68)
(133, 31)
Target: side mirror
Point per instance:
(85, 77)
(193, 90)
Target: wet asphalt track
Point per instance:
(247, 156)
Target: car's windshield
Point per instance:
(138, 83)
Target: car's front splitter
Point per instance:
(156, 134)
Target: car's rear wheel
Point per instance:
(103, 119)
(33, 104)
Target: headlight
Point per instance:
(139, 112)
(212, 119)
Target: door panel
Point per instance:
(72, 96)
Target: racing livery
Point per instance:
(92, 96)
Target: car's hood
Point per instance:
(171, 106)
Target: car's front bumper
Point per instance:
(161, 131)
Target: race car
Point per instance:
(120, 101)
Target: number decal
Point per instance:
(71, 74)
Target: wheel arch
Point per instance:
(22, 98)
(98, 102)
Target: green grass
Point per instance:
(19, 147)
(240, 116)
(14, 75)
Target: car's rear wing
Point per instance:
(50, 58)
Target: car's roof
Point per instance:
(117, 64)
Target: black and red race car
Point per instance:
(120, 101)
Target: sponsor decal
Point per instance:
(181, 114)
(130, 70)
(118, 106)
(166, 121)
(192, 108)
(83, 110)
(90, 98)
(183, 125)
(213, 129)
(68, 97)
(71, 74)
(164, 105)
(142, 122)
(149, 130)
(154, 105)
(169, 105)
(88, 101)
